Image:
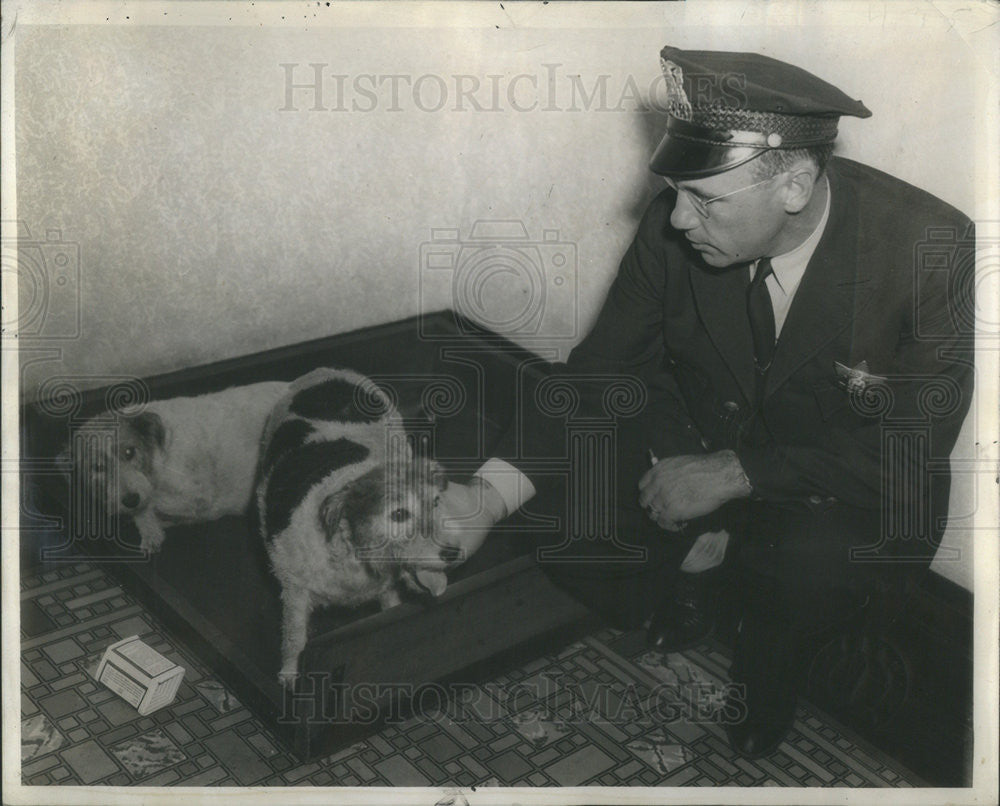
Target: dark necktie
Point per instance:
(761, 319)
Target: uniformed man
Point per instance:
(807, 370)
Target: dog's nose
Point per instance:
(451, 554)
(130, 500)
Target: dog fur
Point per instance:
(346, 510)
(181, 460)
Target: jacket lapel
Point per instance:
(720, 295)
(831, 292)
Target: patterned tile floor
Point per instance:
(602, 711)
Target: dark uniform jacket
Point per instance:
(889, 284)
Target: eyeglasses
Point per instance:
(701, 205)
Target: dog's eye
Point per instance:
(129, 453)
(400, 515)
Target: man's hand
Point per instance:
(679, 488)
(465, 513)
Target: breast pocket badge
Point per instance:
(855, 379)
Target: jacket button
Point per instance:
(731, 405)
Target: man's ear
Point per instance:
(149, 428)
(799, 186)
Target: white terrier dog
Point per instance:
(182, 460)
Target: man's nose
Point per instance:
(683, 216)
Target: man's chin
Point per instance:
(715, 258)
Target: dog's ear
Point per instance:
(363, 499)
(343, 513)
(81, 457)
(65, 455)
(440, 477)
(148, 426)
(331, 516)
(420, 445)
(429, 471)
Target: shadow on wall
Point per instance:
(653, 124)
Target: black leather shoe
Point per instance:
(686, 615)
(759, 731)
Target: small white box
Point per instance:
(139, 674)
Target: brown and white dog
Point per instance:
(346, 509)
(181, 460)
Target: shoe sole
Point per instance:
(681, 647)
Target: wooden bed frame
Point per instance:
(211, 583)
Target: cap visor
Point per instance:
(683, 157)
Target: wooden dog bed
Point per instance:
(211, 584)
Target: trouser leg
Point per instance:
(624, 592)
(797, 579)
(606, 573)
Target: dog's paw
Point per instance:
(390, 598)
(287, 678)
(151, 546)
(151, 532)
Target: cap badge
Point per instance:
(678, 104)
